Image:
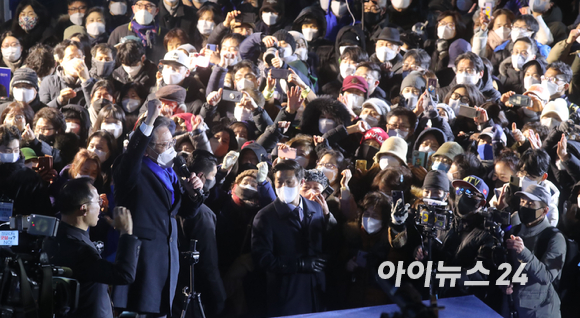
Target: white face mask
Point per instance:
(241, 141)
(205, 27)
(302, 161)
(115, 129)
(95, 28)
(143, 17)
(518, 61)
(411, 100)
(287, 194)
(25, 95)
(354, 102)
(465, 78)
(329, 173)
(371, 225)
(269, 18)
(243, 114)
(518, 33)
(309, 33)
(372, 121)
(77, 18)
(444, 32)
(553, 88)
(550, 122)
(401, 4)
(529, 81)
(232, 59)
(388, 161)
(244, 84)
(172, 77)
(12, 53)
(338, 8)
(302, 54)
(118, 8)
(385, 54)
(9, 157)
(286, 52)
(454, 104)
(132, 71)
(503, 33)
(397, 133)
(101, 154)
(325, 124)
(130, 104)
(73, 128)
(165, 159)
(247, 186)
(347, 69)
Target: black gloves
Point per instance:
(311, 264)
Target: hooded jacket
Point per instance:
(85, 120)
(327, 68)
(281, 23)
(145, 78)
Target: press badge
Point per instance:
(6, 206)
(8, 238)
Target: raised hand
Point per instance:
(295, 99)
(215, 97)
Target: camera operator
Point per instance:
(543, 248)
(80, 206)
(468, 241)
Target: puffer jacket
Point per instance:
(538, 298)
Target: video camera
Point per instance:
(29, 285)
(433, 214)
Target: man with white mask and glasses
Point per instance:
(287, 242)
(144, 26)
(557, 80)
(146, 183)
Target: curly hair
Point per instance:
(327, 106)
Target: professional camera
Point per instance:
(434, 214)
(497, 223)
(270, 54)
(29, 284)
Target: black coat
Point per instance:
(185, 19)
(154, 53)
(201, 226)
(25, 188)
(278, 241)
(138, 189)
(73, 248)
(145, 78)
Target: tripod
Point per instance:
(192, 258)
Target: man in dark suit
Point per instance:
(287, 240)
(80, 206)
(147, 185)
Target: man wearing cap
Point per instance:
(387, 49)
(146, 27)
(393, 153)
(468, 240)
(24, 88)
(272, 17)
(490, 142)
(176, 72)
(555, 113)
(353, 93)
(374, 112)
(172, 98)
(443, 158)
(370, 144)
(543, 249)
(412, 86)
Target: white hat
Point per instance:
(541, 91)
(298, 36)
(395, 146)
(188, 47)
(175, 56)
(559, 107)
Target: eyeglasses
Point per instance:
(100, 202)
(397, 126)
(461, 98)
(469, 193)
(442, 159)
(327, 165)
(77, 9)
(147, 7)
(165, 145)
(554, 79)
(17, 117)
(44, 129)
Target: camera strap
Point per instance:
(29, 307)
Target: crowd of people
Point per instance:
(300, 143)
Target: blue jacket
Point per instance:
(543, 49)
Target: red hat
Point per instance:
(353, 81)
(377, 134)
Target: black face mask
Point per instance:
(100, 103)
(499, 183)
(371, 19)
(208, 185)
(366, 152)
(103, 69)
(466, 205)
(527, 215)
(48, 139)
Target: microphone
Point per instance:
(182, 171)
